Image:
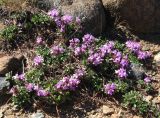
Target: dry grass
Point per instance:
(14, 4)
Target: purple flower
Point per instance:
(22, 76)
(77, 51)
(67, 19)
(80, 73)
(73, 83)
(78, 20)
(95, 59)
(106, 48)
(117, 56)
(39, 40)
(63, 84)
(42, 93)
(74, 42)
(38, 60)
(147, 79)
(133, 46)
(83, 48)
(124, 62)
(70, 83)
(36, 87)
(109, 88)
(88, 39)
(143, 54)
(19, 77)
(53, 13)
(62, 28)
(58, 22)
(55, 50)
(13, 91)
(121, 73)
(30, 87)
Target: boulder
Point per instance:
(90, 11)
(142, 16)
(10, 63)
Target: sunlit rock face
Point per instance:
(142, 16)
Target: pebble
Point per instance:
(37, 115)
(156, 100)
(107, 110)
(115, 116)
(10, 116)
(9, 112)
(1, 114)
(148, 98)
(137, 117)
(157, 59)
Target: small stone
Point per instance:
(37, 115)
(9, 112)
(148, 98)
(137, 117)
(145, 48)
(10, 116)
(115, 116)
(156, 100)
(137, 71)
(1, 114)
(15, 108)
(157, 59)
(107, 110)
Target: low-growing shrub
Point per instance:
(73, 61)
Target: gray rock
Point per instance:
(136, 14)
(3, 83)
(137, 71)
(37, 115)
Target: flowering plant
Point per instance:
(71, 60)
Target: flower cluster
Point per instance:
(70, 82)
(39, 40)
(63, 21)
(39, 91)
(13, 91)
(136, 48)
(110, 88)
(122, 73)
(38, 60)
(98, 57)
(133, 46)
(56, 50)
(78, 49)
(74, 42)
(147, 79)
